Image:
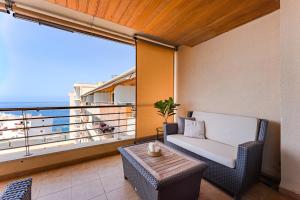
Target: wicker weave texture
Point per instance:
(18, 190)
(248, 164)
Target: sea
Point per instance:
(63, 112)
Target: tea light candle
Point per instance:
(156, 148)
(151, 146)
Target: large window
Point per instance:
(53, 69)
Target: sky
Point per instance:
(41, 64)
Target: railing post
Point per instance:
(82, 125)
(126, 127)
(27, 152)
(118, 124)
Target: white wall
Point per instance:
(237, 72)
(124, 94)
(290, 90)
(102, 97)
(90, 98)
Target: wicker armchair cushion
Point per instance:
(181, 123)
(194, 129)
(215, 151)
(228, 129)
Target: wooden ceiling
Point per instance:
(180, 22)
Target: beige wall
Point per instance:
(155, 81)
(290, 90)
(237, 73)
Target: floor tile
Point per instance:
(61, 195)
(102, 197)
(83, 176)
(124, 193)
(86, 191)
(210, 192)
(112, 182)
(110, 166)
(263, 192)
(53, 185)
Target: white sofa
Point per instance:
(231, 143)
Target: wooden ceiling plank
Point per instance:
(120, 11)
(61, 2)
(129, 12)
(111, 9)
(231, 22)
(167, 12)
(183, 22)
(139, 10)
(215, 26)
(103, 5)
(93, 7)
(199, 18)
(155, 13)
(148, 14)
(83, 6)
(73, 4)
(227, 24)
(186, 15)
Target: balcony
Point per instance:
(100, 178)
(31, 133)
(215, 56)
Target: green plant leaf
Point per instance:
(166, 107)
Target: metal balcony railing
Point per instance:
(35, 128)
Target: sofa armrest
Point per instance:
(249, 160)
(170, 128)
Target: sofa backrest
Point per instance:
(228, 129)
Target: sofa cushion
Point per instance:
(181, 123)
(194, 129)
(212, 150)
(229, 129)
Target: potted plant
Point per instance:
(166, 108)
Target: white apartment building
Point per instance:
(75, 100)
(119, 90)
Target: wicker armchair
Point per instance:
(248, 163)
(18, 190)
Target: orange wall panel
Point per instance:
(155, 81)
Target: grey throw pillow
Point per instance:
(194, 129)
(180, 122)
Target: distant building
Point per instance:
(80, 89)
(120, 90)
(75, 100)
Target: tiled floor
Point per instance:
(102, 179)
